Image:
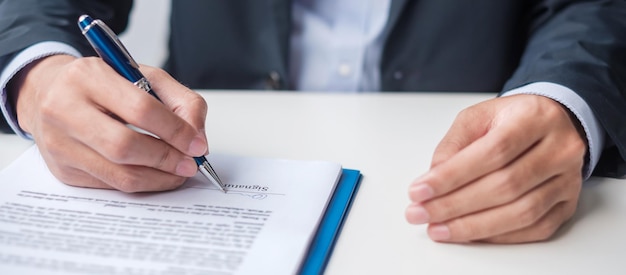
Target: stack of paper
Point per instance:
(265, 224)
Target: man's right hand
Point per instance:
(77, 109)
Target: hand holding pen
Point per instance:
(72, 108)
(110, 48)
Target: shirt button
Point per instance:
(273, 81)
(344, 70)
(397, 75)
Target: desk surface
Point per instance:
(390, 138)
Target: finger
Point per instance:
(116, 142)
(98, 172)
(74, 177)
(541, 230)
(133, 179)
(126, 178)
(502, 186)
(519, 214)
(60, 161)
(119, 144)
(144, 112)
(184, 102)
(140, 109)
(501, 145)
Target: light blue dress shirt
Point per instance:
(336, 46)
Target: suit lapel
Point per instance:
(394, 13)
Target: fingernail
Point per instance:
(197, 147)
(439, 232)
(416, 214)
(421, 192)
(187, 168)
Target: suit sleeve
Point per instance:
(27, 22)
(4, 126)
(582, 45)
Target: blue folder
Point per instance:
(328, 231)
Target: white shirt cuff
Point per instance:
(594, 132)
(23, 58)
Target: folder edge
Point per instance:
(330, 227)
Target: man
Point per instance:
(509, 169)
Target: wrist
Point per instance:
(25, 88)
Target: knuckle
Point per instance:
(177, 130)
(177, 182)
(141, 110)
(131, 179)
(469, 111)
(442, 209)
(501, 148)
(77, 68)
(197, 101)
(52, 145)
(129, 182)
(572, 154)
(552, 111)
(49, 109)
(529, 212)
(80, 69)
(153, 72)
(168, 182)
(118, 154)
(119, 151)
(166, 155)
(543, 235)
(62, 174)
(546, 230)
(570, 210)
(53, 111)
(574, 185)
(464, 114)
(460, 229)
(437, 179)
(508, 187)
(576, 148)
(549, 226)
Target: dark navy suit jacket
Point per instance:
(431, 45)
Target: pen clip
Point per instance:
(111, 34)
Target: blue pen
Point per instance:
(111, 50)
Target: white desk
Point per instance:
(390, 138)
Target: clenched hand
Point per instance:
(509, 170)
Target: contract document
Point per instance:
(262, 225)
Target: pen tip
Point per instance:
(210, 174)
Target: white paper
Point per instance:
(263, 225)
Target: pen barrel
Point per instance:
(108, 50)
(112, 51)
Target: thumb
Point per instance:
(468, 126)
